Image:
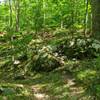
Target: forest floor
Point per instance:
(57, 85)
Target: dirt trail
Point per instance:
(75, 91)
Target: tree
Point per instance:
(10, 8)
(17, 8)
(96, 18)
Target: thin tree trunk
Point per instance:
(10, 8)
(10, 25)
(62, 26)
(86, 17)
(17, 8)
(44, 14)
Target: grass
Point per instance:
(61, 84)
(50, 84)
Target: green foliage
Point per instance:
(36, 15)
(79, 48)
(45, 60)
(90, 79)
(86, 76)
(42, 35)
(32, 54)
(60, 33)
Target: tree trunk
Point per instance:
(86, 17)
(96, 18)
(44, 14)
(17, 9)
(10, 8)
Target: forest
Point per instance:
(49, 49)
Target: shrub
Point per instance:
(79, 48)
(60, 32)
(90, 78)
(45, 60)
